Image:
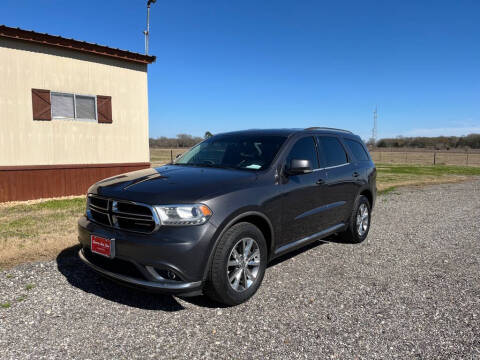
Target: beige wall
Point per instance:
(23, 141)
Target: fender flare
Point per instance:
(362, 189)
(227, 226)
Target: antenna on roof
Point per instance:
(147, 32)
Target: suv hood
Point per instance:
(171, 184)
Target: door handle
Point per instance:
(320, 182)
(355, 174)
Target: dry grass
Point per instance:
(37, 230)
(40, 229)
(390, 176)
(419, 181)
(162, 156)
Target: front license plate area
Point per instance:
(102, 246)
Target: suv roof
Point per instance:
(289, 132)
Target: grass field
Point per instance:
(390, 176)
(163, 156)
(37, 230)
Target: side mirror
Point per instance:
(178, 155)
(298, 166)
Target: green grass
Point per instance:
(391, 176)
(29, 224)
(428, 170)
(25, 221)
(29, 286)
(75, 203)
(5, 305)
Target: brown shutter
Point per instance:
(104, 109)
(42, 109)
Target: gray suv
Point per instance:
(212, 220)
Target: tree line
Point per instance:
(181, 141)
(471, 141)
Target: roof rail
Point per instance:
(327, 128)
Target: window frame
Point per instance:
(74, 107)
(322, 156)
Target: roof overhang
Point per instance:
(76, 45)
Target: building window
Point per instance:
(63, 105)
(85, 107)
(72, 106)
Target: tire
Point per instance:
(228, 263)
(353, 234)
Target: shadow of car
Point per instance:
(81, 276)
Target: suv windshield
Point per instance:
(244, 152)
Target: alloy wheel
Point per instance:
(363, 219)
(243, 264)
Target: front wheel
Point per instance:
(238, 265)
(359, 223)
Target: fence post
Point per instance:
(467, 159)
(406, 153)
(434, 157)
(171, 155)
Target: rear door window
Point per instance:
(357, 150)
(332, 151)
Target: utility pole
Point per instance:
(374, 130)
(147, 31)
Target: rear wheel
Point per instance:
(238, 265)
(359, 223)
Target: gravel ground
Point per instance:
(411, 291)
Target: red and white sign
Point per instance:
(100, 245)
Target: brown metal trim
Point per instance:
(71, 166)
(82, 46)
(19, 183)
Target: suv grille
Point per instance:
(122, 214)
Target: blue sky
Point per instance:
(233, 64)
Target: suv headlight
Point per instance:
(191, 214)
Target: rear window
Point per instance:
(357, 150)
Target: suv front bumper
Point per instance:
(166, 286)
(141, 260)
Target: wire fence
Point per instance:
(426, 157)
